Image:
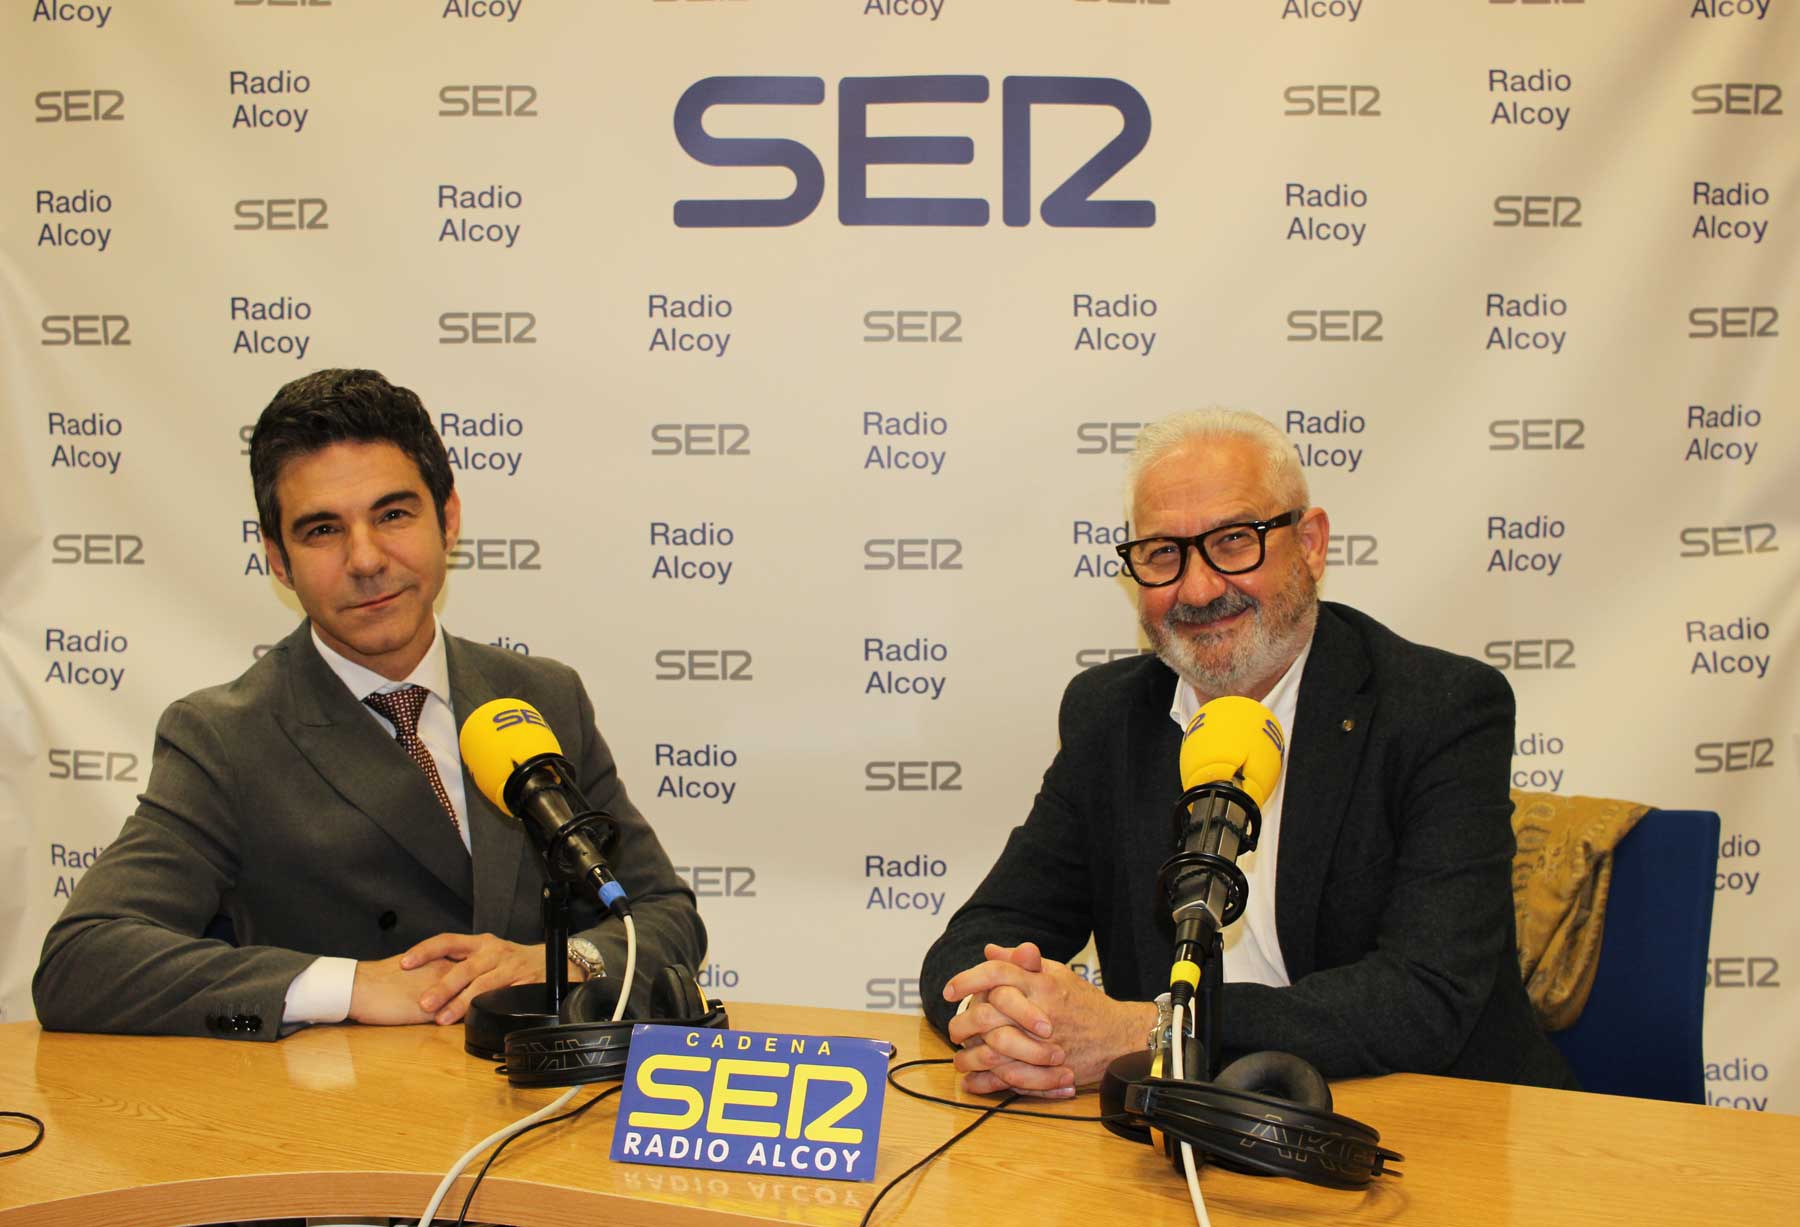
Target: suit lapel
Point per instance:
(1331, 727)
(497, 842)
(355, 755)
(1154, 740)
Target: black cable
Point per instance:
(986, 1115)
(31, 1145)
(462, 1217)
(988, 1112)
(976, 1107)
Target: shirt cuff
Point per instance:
(321, 993)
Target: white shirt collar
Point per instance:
(432, 671)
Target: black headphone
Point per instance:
(1266, 1114)
(587, 1046)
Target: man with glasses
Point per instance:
(1378, 930)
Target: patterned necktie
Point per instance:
(402, 707)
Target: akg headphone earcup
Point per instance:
(589, 1046)
(1125, 1070)
(591, 1001)
(675, 995)
(1280, 1075)
(1133, 1068)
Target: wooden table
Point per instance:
(342, 1120)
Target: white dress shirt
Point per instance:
(1252, 948)
(321, 993)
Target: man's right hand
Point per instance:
(1035, 1027)
(386, 995)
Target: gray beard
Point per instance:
(1280, 631)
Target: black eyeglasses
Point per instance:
(1230, 549)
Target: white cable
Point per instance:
(499, 1135)
(549, 1109)
(630, 967)
(1177, 1056)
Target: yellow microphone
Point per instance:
(517, 763)
(1237, 740)
(1231, 756)
(497, 739)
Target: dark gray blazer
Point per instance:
(1393, 880)
(278, 801)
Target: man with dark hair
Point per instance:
(308, 848)
(1378, 930)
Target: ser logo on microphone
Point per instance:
(517, 715)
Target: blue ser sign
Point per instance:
(747, 1101)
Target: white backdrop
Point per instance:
(1516, 277)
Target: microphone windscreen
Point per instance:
(496, 738)
(1234, 739)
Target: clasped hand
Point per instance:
(1036, 1027)
(437, 979)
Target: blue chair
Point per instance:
(1639, 1033)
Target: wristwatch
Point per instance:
(1159, 1031)
(585, 955)
(1158, 1038)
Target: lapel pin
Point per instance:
(1348, 725)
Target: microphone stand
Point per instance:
(1199, 928)
(499, 1012)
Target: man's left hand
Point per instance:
(479, 962)
(1087, 1028)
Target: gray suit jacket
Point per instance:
(278, 801)
(1393, 899)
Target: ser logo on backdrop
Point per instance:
(1025, 101)
(913, 775)
(1530, 654)
(86, 330)
(1724, 540)
(1537, 435)
(97, 550)
(92, 766)
(1334, 324)
(1106, 438)
(1346, 101)
(487, 328)
(274, 213)
(1742, 754)
(1743, 971)
(1352, 550)
(488, 102)
(917, 326)
(1737, 98)
(1745, 323)
(1537, 212)
(719, 881)
(704, 665)
(893, 993)
(80, 106)
(700, 439)
(913, 554)
(496, 554)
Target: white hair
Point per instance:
(1158, 439)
